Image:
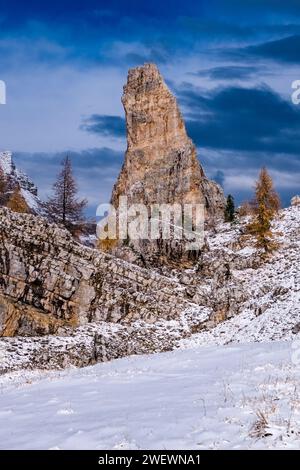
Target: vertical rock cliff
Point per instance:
(161, 164)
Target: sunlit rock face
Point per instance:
(161, 164)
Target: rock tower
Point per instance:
(161, 164)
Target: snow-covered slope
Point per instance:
(261, 303)
(271, 310)
(234, 397)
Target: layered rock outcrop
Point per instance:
(161, 164)
(47, 281)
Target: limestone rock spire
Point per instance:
(161, 164)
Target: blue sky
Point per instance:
(230, 64)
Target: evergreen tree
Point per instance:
(229, 209)
(64, 207)
(266, 205)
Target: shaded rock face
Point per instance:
(161, 164)
(47, 281)
(95, 342)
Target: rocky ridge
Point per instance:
(48, 281)
(16, 178)
(233, 295)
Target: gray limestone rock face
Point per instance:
(48, 280)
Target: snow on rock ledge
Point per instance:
(49, 281)
(17, 178)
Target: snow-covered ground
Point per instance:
(231, 397)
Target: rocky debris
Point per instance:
(224, 278)
(16, 178)
(261, 299)
(47, 279)
(161, 164)
(96, 342)
(87, 234)
(231, 295)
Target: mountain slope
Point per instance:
(236, 397)
(232, 297)
(271, 306)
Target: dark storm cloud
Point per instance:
(239, 130)
(85, 33)
(89, 158)
(257, 7)
(229, 72)
(104, 125)
(281, 50)
(60, 10)
(242, 119)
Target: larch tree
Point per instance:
(16, 202)
(64, 207)
(266, 206)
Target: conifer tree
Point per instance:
(64, 207)
(230, 209)
(266, 205)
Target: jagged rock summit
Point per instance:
(161, 164)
